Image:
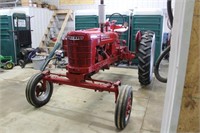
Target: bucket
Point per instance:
(38, 61)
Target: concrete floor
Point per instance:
(78, 110)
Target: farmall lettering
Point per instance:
(104, 36)
(75, 38)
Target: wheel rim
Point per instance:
(9, 65)
(152, 57)
(128, 108)
(41, 93)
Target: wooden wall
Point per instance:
(189, 119)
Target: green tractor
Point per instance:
(6, 62)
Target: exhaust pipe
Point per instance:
(102, 17)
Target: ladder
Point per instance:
(55, 29)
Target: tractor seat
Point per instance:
(121, 30)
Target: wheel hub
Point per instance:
(128, 108)
(42, 93)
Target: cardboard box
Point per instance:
(39, 2)
(39, 5)
(26, 2)
(52, 7)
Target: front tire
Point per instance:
(123, 107)
(146, 51)
(36, 94)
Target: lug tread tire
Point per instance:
(144, 58)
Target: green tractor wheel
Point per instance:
(8, 65)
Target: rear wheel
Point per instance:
(123, 107)
(38, 93)
(146, 51)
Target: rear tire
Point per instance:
(36, 95)
(146, 50)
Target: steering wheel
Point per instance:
(116, 14)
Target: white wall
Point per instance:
(111, 4)
(42, 16)
(39, 23)
(115, 4)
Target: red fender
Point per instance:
(138, 38)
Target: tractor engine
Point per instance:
(90, 50)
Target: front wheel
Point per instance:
(146, 51)
(123, 107)
(38, 91)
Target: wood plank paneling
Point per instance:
(189, 119)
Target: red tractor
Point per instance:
(90, 51)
